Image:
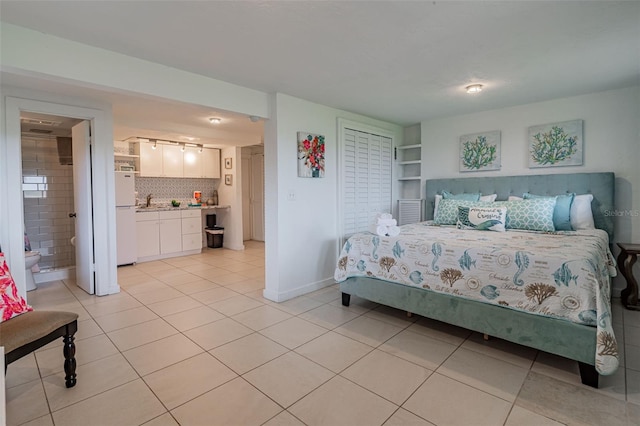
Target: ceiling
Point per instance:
(402, 62)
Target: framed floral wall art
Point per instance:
(480, 151)
(310, 155)
(556, 144)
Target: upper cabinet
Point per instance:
(170, 161)
(203, 163)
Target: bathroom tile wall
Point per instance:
(163, 190)
(48, 199)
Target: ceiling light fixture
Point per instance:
(474, 88)
(254, 118)
(215, 120)
(155, 143)
(182, 146)
(200, 146)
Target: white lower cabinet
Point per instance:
(148, 234)
(170, 232)
(164, 234)
(191, 230)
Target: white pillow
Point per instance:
(581, 216)
(490, 198)
(435, 204)
(514, 198)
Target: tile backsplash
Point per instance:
(163, 190)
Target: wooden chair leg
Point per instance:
(69, 350)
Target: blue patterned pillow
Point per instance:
(562, 211)
(532, 215)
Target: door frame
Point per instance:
(103, 183)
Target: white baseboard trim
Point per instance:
(55, 275)
(167, 256)
(299, 291)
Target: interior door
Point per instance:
(246, 198)
(83, 205)
(257, 197)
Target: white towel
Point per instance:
(387, 222)
(393, 231)
(378, 230)
(385, 216)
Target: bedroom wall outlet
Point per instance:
(291, 196)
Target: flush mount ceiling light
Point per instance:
(474, 88)
(215, 120)
(254, 118)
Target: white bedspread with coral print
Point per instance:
(563, 275)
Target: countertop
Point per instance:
(163, 207)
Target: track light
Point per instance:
(182, 146)
(474, 88)
(155, 143)
(200, 149)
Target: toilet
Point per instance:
(31, 258)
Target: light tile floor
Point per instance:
(191, 341)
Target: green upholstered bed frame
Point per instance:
(563, 338)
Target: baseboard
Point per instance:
(55, 275)
(299, 291)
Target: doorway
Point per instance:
(253, 193)
(12, 218)
(47, 188)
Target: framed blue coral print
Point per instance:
(556, 144)
(480, 151)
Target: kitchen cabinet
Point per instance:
(211, 163)
(150, 160)
(163, 161)
(191, 230)
(170, 231)
(126, 156)
(170, 161)
(148, 234)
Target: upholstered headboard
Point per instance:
(601, 185)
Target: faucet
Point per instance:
(148, 200)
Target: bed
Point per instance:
(472, 278)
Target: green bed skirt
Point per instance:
(556, 336)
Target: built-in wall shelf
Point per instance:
(409, 175)
(417, 145)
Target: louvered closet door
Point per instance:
(366, 179)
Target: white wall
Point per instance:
(231, 220)
(611, 144)
(302, 235)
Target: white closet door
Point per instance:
(366, 179)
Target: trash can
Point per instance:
(215, 236)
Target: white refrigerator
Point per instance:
(126, 218)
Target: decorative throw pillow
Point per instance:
(447, 213)
(581, 214)
(535, 214)
(11, 303)
(470, 197)
(562, 211)
(482, 218)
